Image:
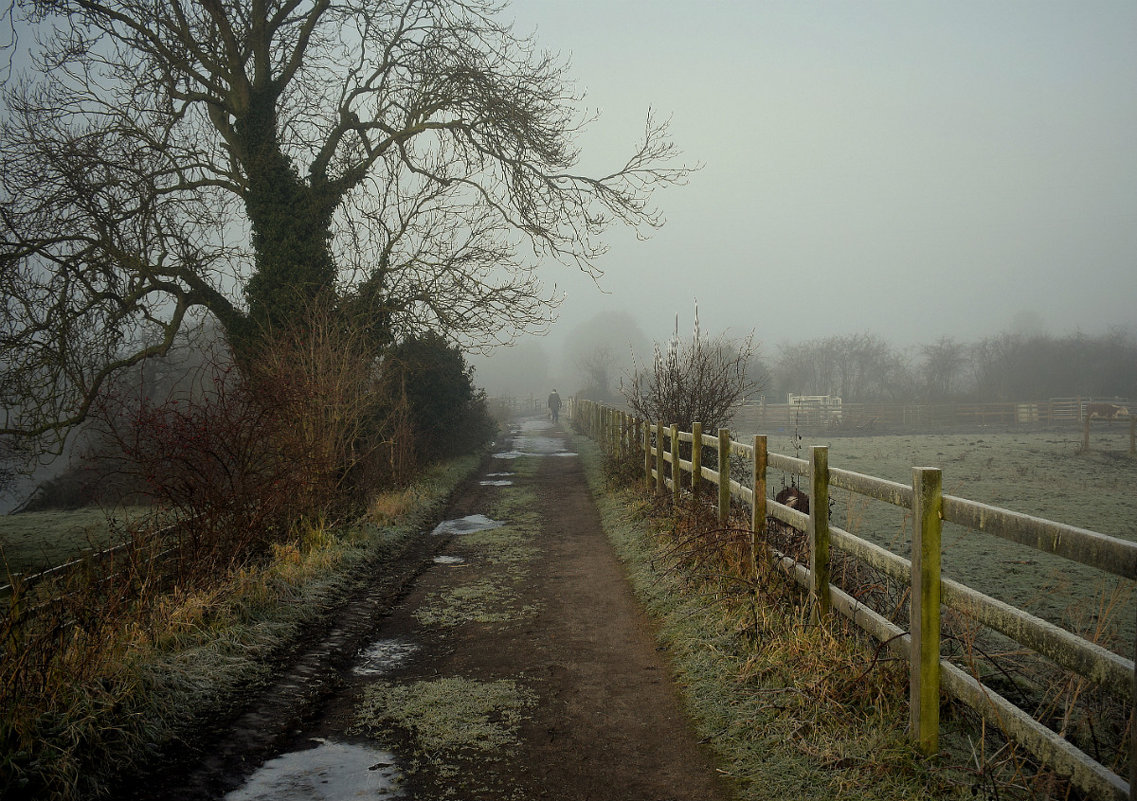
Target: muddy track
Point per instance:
(518, 666)
(218, 758)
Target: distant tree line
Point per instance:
(1006, 367)
(865, 368)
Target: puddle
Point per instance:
(529, 439)
(500, 482)
(329, 772)
(449, 560)
(535, 447)
(538, 445)
(500, 475)
(465, 525)
(383, 656)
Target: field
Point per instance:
(1043, 474)
(1037, 473)
(34, 541)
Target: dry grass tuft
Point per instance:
(795, 708)
(99, 669)
(821, 700)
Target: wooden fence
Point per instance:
(881, 417)
(658, 445)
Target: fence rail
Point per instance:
(620, 434)
(21, 585)
(881, 416)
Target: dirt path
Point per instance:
(518, 666)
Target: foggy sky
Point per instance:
(912, 170)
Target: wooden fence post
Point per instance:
(16, 607)
(676, 473)
(660, 487)
(924, 677)
(758, 508)
(724, 476)
(819, 529)
(696, 457)
(647, 453)
(624, 435)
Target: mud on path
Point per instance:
(517, 665)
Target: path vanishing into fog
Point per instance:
(513, 663)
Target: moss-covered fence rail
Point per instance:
(659, 445)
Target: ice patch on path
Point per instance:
(466, 525)
(329, 772)
(534, 424)
(530, 439)
(449, 560)
(383, 656)
(497, 482)
(538, 445)
(534, 446)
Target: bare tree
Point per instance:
(857, 367)
(942, 369)
(1011, 367)
(602, 348)
(598, 368)
(395, 159)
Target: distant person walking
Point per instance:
(555, 404)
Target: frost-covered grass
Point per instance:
(34, 541)
(483, 601)
(508, 548)
(448, 717)
(98, 686)
(1039, 473)
(793, 709)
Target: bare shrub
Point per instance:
(697, 381)
(214, 461)
(319, 383)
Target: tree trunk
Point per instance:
(291, 224)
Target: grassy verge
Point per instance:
(97, 686)
(792, 708)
